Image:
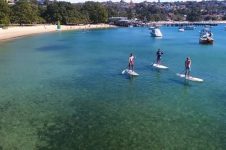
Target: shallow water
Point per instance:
(65, 90)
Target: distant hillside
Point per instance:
(44, 11)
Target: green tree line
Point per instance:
(29, 12)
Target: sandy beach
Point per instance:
(19, 31)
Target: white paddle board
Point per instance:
(130, 72)
(159, 66)
(190, 78)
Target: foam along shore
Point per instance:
(19, 31)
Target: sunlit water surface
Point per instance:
(65, 91)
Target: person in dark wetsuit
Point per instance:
(159, 53)
(187, 67)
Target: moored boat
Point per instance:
(206, 37)
(155, 32)
(151, 27)
(181, 29)
(206, 40)
(190, 27)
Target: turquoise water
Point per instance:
(65, 91)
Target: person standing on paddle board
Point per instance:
(131, 61)
(159, 53)
(187, 67)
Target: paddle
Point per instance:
(182, 72)
(186, 76)
(154, 62)
(123, 72)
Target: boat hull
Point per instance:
(156, 33)
(181, 30)
(206, 41)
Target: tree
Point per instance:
(24, 12)
(224, 17)
(130, 13)
(194, 15)
(4, 13)
(64, 12)
(52, 13)
(41, 13)
(112, 11)
(97, 13)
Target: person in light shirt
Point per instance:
(131, 62)
(187, 67)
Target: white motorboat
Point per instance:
(155, 32)
(206, 36)
(181, 29)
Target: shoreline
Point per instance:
(188, 22)
(14, 32)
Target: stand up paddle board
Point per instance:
(190, 78)
(130, 72)
(159, 66)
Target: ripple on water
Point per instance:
(71, 95)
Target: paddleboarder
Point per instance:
(131, 61)
(187, 67)
(159, 53)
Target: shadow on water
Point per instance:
(158, 71)
(181, 82)
(53, 48)
(128, 77)
(156, 38)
